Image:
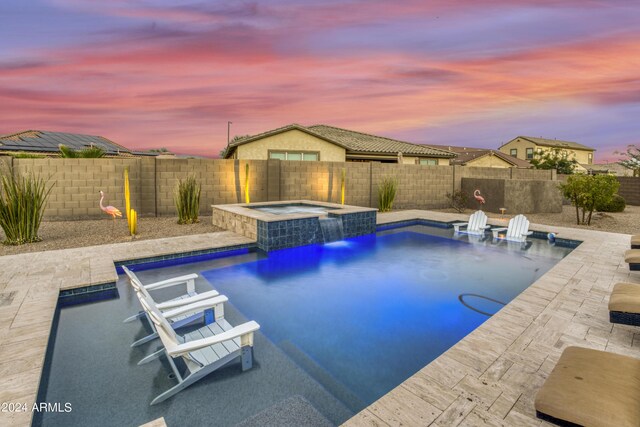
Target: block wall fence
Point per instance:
(78, 181)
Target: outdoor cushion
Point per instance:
(592, 388)
(632, 256)
(635, 241)
(625, 297)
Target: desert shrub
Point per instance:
(616, 204)
(457, 200)
(187, 200)
(22, 204)
(386, 194)
(588, 191)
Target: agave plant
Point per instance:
(187, 200)
(22, 203)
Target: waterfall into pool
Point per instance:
(331, 229)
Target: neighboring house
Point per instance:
(483, 157)
(47, 144)
(524, 147)
(328, 143)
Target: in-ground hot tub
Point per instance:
(279, 225)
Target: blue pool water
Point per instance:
(364, 314)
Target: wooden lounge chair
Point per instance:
(632, 257)
(624, 304)
(517, 231)
(591, 388)
(203, 350)
(477, 224)
(177, 321)
(635, 241)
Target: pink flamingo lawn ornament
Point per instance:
(478, 197)
(110, 210)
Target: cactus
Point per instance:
(246, 184)
(132, 218)
(344, 178)
(132, 215)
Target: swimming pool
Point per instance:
(369, 312)
(341, 325)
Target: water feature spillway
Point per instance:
(331, 229)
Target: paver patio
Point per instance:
(489, 378)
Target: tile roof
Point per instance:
(545, 142)
(353, 142)
(467, 154)
(48, 142)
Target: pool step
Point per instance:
(294, 411)
(318, 373)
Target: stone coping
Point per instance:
(247, 210)
(488, 378)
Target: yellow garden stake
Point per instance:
(344, 176)
(246, 184)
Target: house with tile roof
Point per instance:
(329, 143)
(524, 147)
(483, 157)
(47, 143)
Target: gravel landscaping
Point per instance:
(74, 234)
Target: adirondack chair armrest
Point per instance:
(244, 332)
(186, 301)
(196, 307)
(172, 282)
(457, 225)
(528, 233)
(484, 227)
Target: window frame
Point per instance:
(436, 162)
(529, 153)
(301, 152)
(513, 152)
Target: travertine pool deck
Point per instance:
(489, 378)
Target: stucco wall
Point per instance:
(489, 161)
(521, 145)
(290, 141)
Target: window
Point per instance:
(529, 153)
(429, 162)
(590, 158)
(294, 155)
(514, 152)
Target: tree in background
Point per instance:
(86, 153)
(554, 158)
(223, 152)
(588, 191)
(632, 160)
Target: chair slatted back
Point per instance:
(518, 226)
(477, 221)
(168, 336)
(136, 283)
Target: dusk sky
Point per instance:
(170, 73)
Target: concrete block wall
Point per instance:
(515, 195)
(153, 182)
(6, 165)
(77, 182)
(630, 189)
(419, 186)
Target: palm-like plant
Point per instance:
(22, 203)
(86, 153)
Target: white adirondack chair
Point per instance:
(477, 224)
(203, 350)
(517, 231)
(177, 321)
